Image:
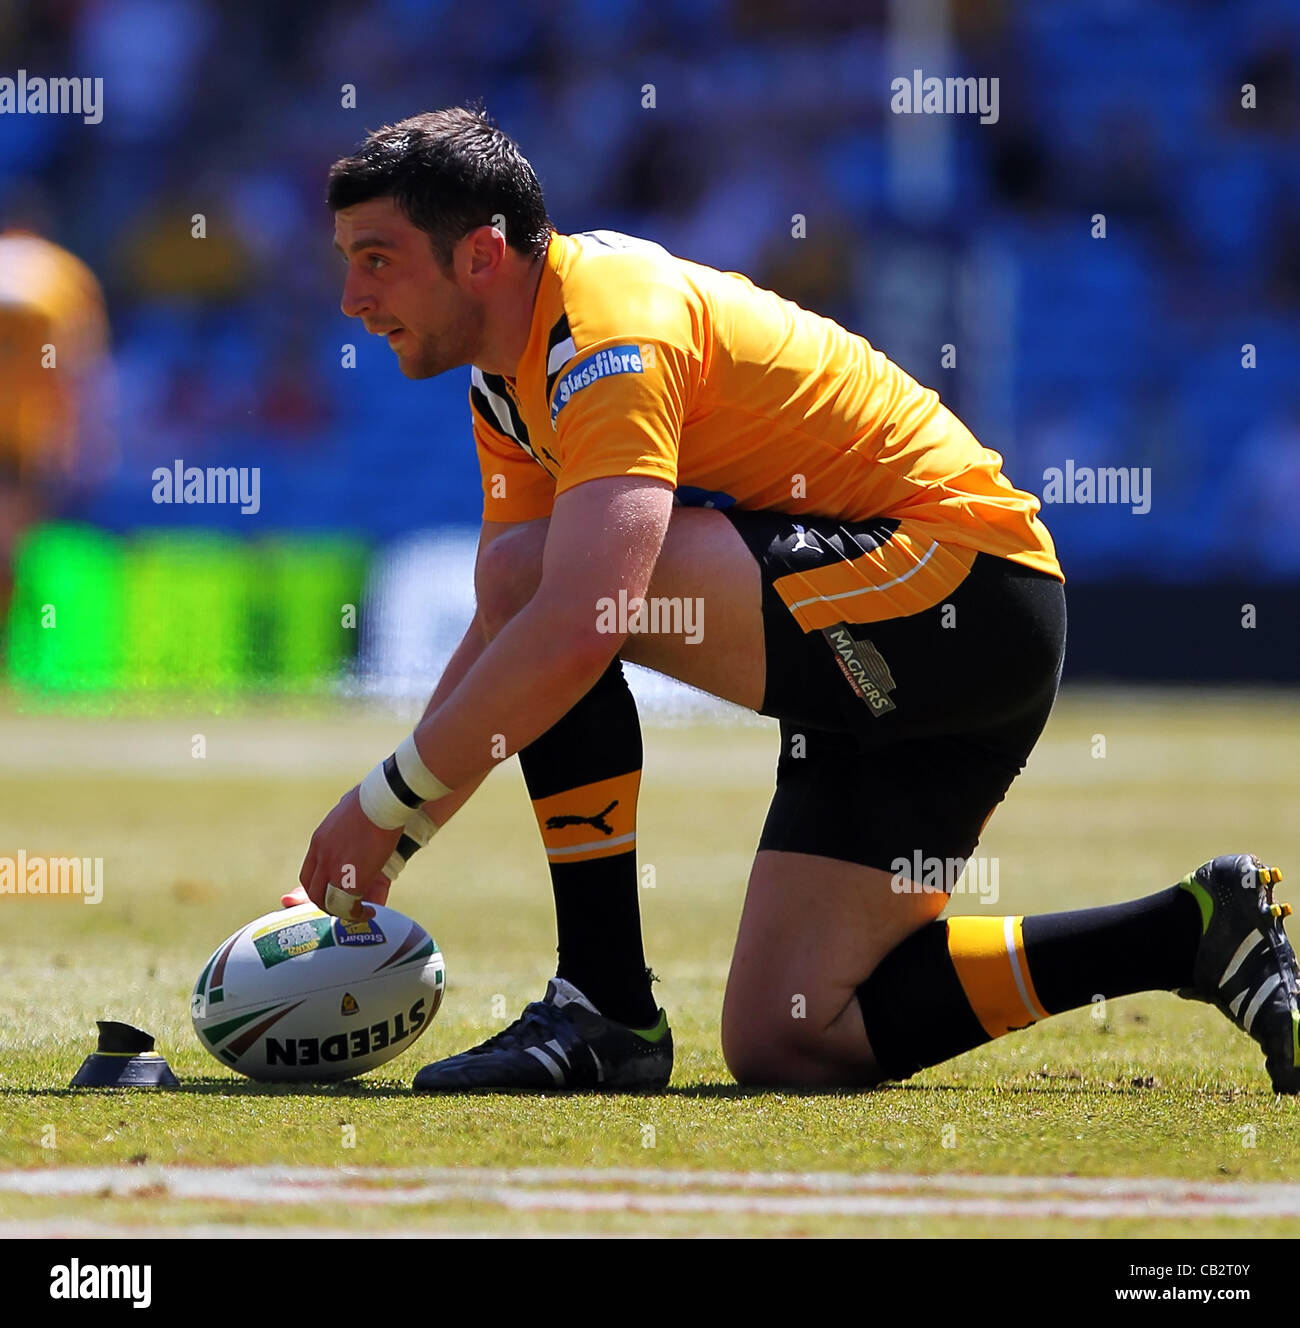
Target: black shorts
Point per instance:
(900, 737)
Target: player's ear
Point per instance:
(481, 250)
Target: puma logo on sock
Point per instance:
(598, 821)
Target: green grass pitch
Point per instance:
(1125, 793)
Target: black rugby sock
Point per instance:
(960, 982)
(583, 776)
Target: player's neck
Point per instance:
(502, 352)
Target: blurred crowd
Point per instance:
(709, 126)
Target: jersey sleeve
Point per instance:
(617, 409)
(515, 487)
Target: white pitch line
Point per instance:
(847, 1206)
(574, 1190)
(1102, 1187)
(70, 1228)
(816, 1181)
(77, 1228)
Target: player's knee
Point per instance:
(764, 1052)
(745, 1057)
(755, 1061)
(508, 573)
(742, 1040)
(790, 1045)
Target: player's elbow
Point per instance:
(507, 574)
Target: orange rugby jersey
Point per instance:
(48, 298)
(641, 363)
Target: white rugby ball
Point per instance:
(299, 996)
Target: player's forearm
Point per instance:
(471, 646)
(500, 705)
(441, 810)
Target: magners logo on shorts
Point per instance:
(865, 668)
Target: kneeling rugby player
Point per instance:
(649, 427)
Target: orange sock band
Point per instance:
(595, 821)
(989, 956)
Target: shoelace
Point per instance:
(1285, 961)
(537, 1015)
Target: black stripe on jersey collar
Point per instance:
(517, 429)
(484, 408)
(560, 332)
(496, 384)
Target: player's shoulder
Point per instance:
(614, 285)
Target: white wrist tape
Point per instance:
(419, 778)
(342, 904)
(419, 830)
(380, 803)
(396, 787)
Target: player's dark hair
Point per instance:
(449, 171)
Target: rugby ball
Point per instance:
(299, 996)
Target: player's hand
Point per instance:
(347, 847)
